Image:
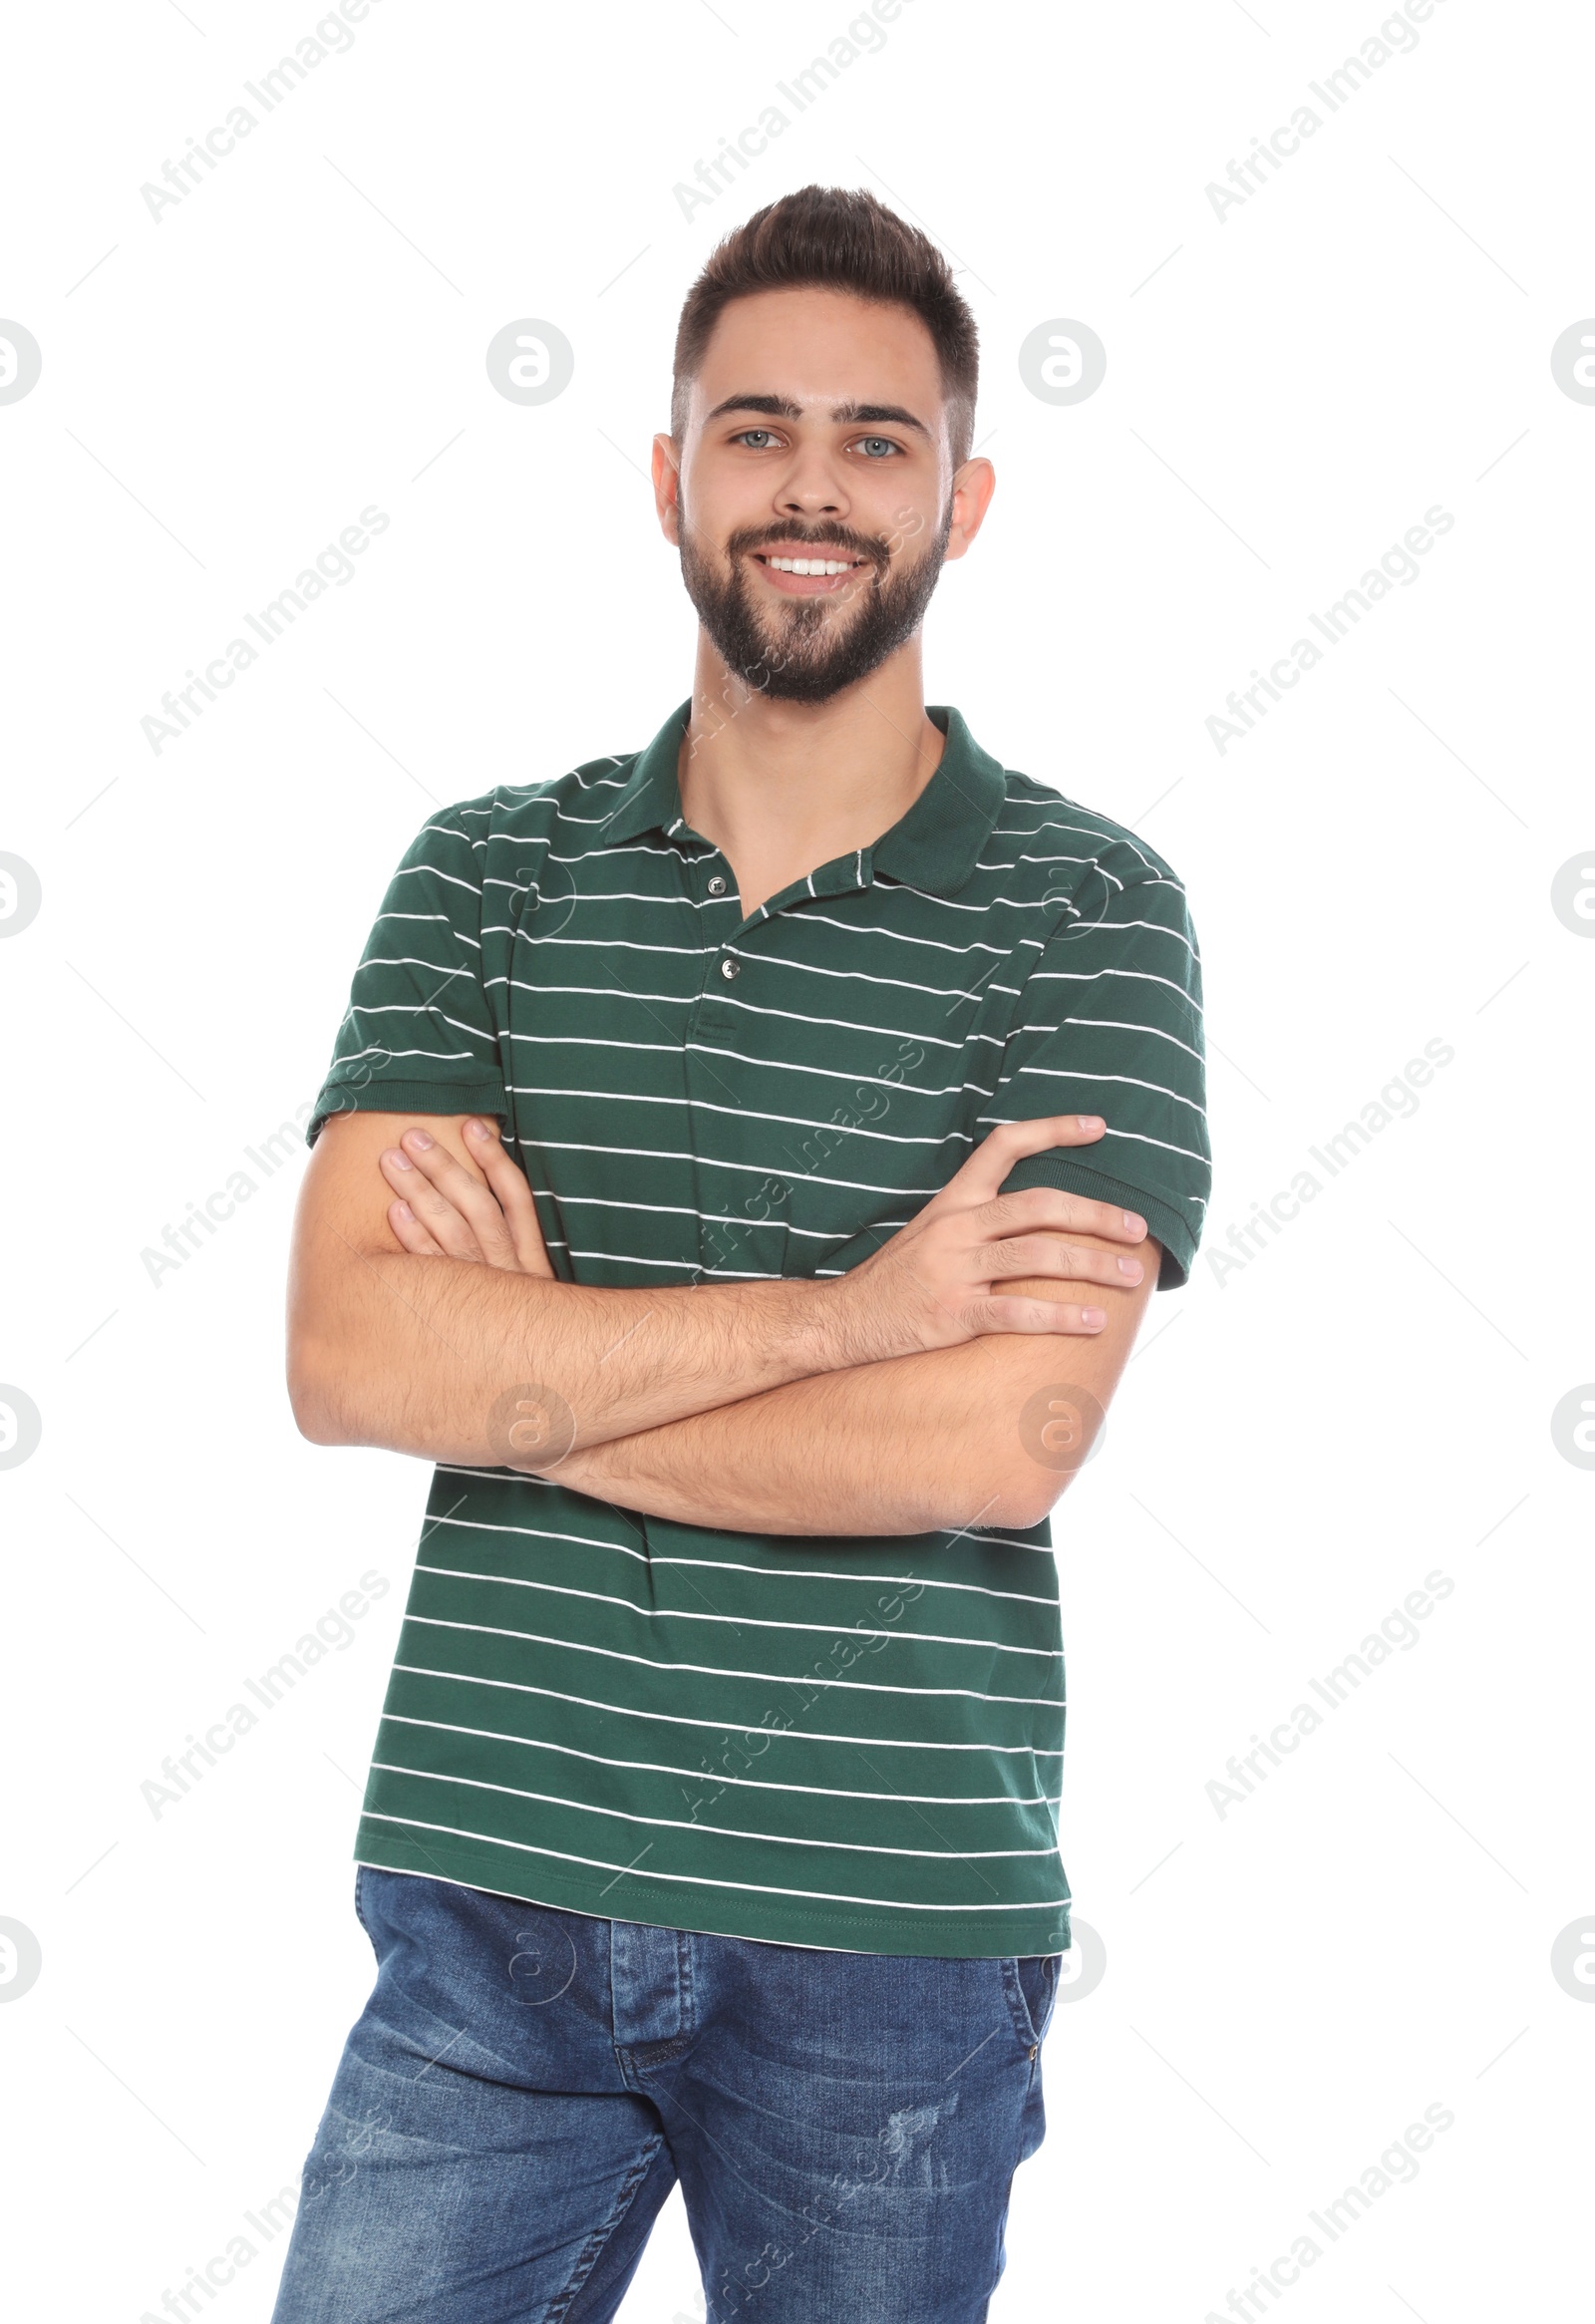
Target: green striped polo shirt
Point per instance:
(848, 1743)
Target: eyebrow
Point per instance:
(843, 415)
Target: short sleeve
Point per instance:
(1109, 1022)
(417, 1035)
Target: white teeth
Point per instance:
(810, 564)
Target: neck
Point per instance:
(783, 787)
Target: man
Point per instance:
(851, 1093)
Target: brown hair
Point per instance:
(834, 239)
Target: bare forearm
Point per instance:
(424, 1356)
(946, 1438)
(905, 1446)
(460, 1346)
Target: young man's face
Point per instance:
(817, 432)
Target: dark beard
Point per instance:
(811, 654)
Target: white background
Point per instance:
(1297, 1444)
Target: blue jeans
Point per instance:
(525, 2086)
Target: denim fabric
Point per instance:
(525, 2086)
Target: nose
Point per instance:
(811, 487)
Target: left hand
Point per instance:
(445, 1211)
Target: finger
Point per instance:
(1048, 1254)
(999, 1315)
(514, 1196)
(411, 1234)
(446, 1228)
(1049, 1209)
(459, 1207)
(980, 1177)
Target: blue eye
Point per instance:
(745, 436)
(875, 445)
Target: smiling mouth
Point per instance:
(810, 564)
(810, 574)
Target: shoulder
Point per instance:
(1044, 838)
(571, 806)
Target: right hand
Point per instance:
(940, 1279)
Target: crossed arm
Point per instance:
(952, 1380)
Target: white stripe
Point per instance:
(1057, 1072)
(1092, 862)
(706, 1049)
(719, 1670)
(686, 1210)
(830, 1072)
(1116, 1025)
(533, 1533)
(414, 960)
(610, 943)
(410, 1008)
(900, 984)
(442, 920)
(612, 992)
(1132, 1137)
(1096, 975)
(431, 871)
(617, 847)
(717, 1831)
(849, 1025)
(713, 1162)
(737, 1621)
(636, 895)
(698, 1880)
(1018, 903)
(683, 1719)
(901, 936)
(1112, 928)
(897, 1580)
(1111, 838)
(656, 1767)
(748, 1114)
(380, 1049)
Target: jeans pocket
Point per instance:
(1030, 1981)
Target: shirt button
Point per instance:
(717, 885)
(730, 968)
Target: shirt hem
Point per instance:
(1026, 1930)
(1060, 1169)
(396, 1097)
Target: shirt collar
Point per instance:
(935, 846)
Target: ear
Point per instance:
(973, 487)
(667, 488)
